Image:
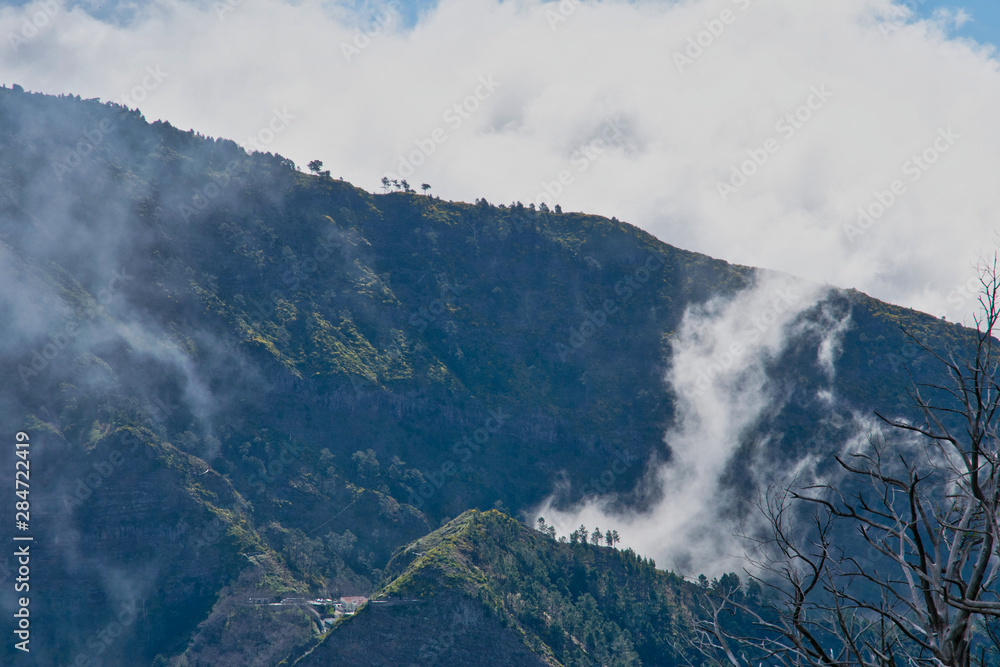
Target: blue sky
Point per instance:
(985, 24)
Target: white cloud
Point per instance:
(952, 17)
(719, 379)
(893, 89)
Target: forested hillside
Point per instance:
(243, 381)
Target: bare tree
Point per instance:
(926, 509)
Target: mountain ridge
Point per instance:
(306, 369)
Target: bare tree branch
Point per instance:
(928, 508)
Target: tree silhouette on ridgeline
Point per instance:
(580, 535)
(401, 186)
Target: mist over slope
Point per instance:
(243, 381)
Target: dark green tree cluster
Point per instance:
(590, 606)
(400, 185)
(316, 167)
(580, 535)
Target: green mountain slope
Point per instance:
(569, 604)
(241, 381)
